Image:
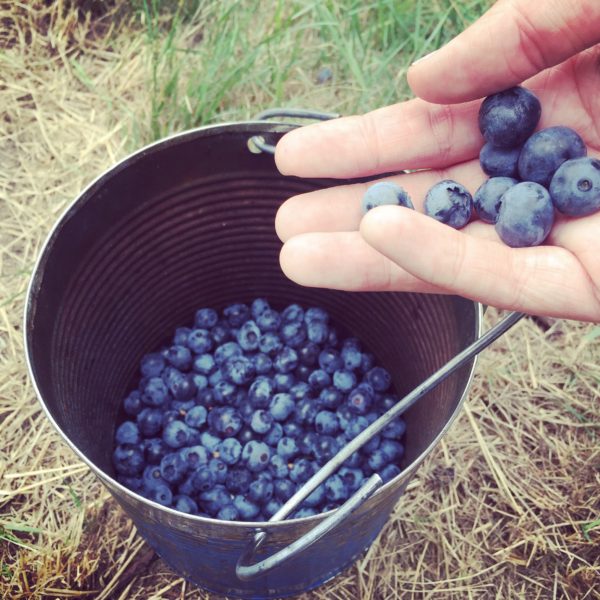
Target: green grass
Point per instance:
(218, 61)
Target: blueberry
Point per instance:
(299, 390)
(319, 379)
(546, 150)
(386, 401)
(316, 497)
(326, 422)
(128, 433)
(161, 494)
(270, 343)
(355, 426)
(306, 442)
(173, 467)
(229, 451)
(302, 470)
(224, 392)
(308, 353)
(575, 187)
(133, 403)
(271, 507)
(196, 416)
(286, 360)
(392, 449)
(256, 455)
(260, 491)
(155, 392)
(389, 472)
(499, 162)
(194, 456)
(225, 421)
(269, 320)
(508, 118)
(248, 336)
(227, 350)
(344, 380)
(180, 385)
(305, 511)
(218, 468)
(382, 193)
(367, 362)
(281, 406)
(394, 430)
(287, 448)
(379, 379)
(449, 202)
(206, 318)
(336, 489)
(262, 363)
(154, 450)
(181, 336)
(261, 421)
(152, 365)
(278, 467)
(526, 215)
(360, 399)
(236, 314)
(377, 460)
(487, 198)
(317, 331)
(245, 435)
(203, 479)
(305, 411)
(351, 353)
(283, 489)
(221, 333)
(228, 513)
(179, 357)
(200, 381)
(293, 429)
(274, 434)
(238, 480)
(204, 364)
(261, 391)
(284, 381)
(149, 421)
(151, 477)
(132, 483)
(128, 460)
(330, 360)
(292, 313)
(200, 341)
(185, 504)
(238, 369)
(209, 441)
(213, 499)
(314, 313)
(352, 477)
(177, 434)
(258, 307)
(205, 396)
(326, 447)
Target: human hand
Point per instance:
(327, 244)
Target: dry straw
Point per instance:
(508, 505)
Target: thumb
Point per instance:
(514, 40)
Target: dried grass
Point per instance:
(505, 506)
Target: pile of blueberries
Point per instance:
(245, 406)
(531, 173)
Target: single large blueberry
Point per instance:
(546, 150)
(526, 215)
(575, 187)
(385, 192)
(486, 200)
(499, 162)
(508, 118)
(449, 202)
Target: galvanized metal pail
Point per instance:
(189, 222)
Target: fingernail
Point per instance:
(424, 58)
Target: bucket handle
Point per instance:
(258, 141)
(246, 572)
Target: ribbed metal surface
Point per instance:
(189, 223)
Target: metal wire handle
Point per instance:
(246, 572)
(259, 141)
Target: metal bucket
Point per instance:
(189, 222)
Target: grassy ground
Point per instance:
(508, 506)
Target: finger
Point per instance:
(344, 261)
(513, 41)
(411, 135)
(339, 208)
(545, 280)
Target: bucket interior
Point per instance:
(185, 224)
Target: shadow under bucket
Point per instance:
(185, 223)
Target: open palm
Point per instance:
(327, 243)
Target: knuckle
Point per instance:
(442, 125)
